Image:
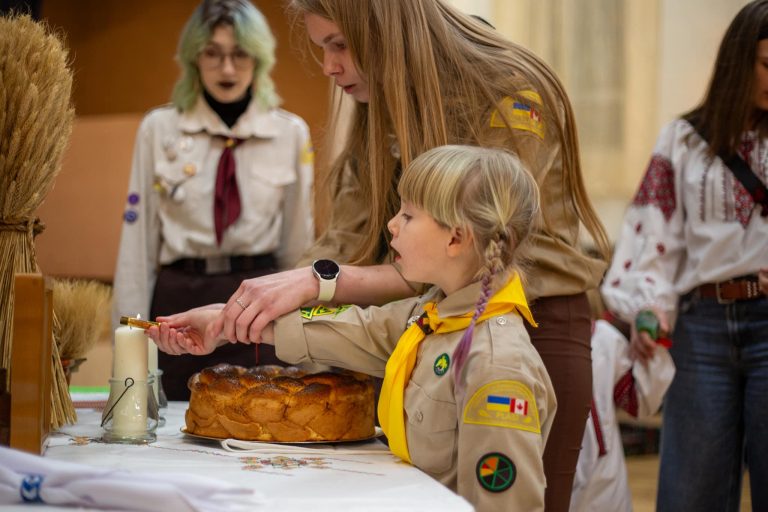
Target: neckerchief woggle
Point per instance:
(402, 361)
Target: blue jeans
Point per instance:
(716, 410)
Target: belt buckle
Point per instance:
(217, 265)
(720, 299)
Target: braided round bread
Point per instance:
(271, 403)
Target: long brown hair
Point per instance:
(728, 106)
(435, 76)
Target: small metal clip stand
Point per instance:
(131, 414)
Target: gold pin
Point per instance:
(190, 169)
(230, 142)
(137, 322)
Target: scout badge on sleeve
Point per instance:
(495, 472)
(521, 114)
(504, 403)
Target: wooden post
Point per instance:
(31, 364)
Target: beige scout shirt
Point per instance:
(169, 212)
(560, 266)
(457, 440)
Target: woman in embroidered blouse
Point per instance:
(220, 187)
(694, 245)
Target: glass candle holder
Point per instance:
(162, 400)
(131, 415)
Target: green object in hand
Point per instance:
(646, 321)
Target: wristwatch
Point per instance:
(327, 272)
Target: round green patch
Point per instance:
(442, 363)
(496, 472)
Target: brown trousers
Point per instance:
(179, 290)
(563, 342)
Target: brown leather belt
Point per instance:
(741, 288)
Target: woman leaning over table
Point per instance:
(220, 187)
(422, 75)
(695, 245)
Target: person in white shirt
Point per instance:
(221, 183)
(693, 245)
(617, 382)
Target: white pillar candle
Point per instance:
(130, 360)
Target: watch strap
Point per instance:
(327, 289)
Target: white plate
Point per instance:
(378, 433)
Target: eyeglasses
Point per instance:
(213, 58)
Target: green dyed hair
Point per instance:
(252, 34)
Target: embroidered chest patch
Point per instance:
(504, 403)
(310, 312)
(442, 363)
(495, 472)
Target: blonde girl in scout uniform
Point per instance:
(220, 187)
(421, 75)
(466, 397)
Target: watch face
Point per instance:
(326, 269)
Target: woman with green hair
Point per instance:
(220, 187)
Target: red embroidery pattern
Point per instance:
(638, 227)
(625, 394)
(658, 187)
(660, 248)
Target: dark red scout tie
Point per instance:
(226, 201)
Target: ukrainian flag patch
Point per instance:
(504, 403)
(523, 113)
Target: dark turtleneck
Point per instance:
(229, 112)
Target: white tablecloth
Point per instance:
(347, 476)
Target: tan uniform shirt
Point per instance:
(169, 211)
(492, 457)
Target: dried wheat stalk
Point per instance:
(35, 123)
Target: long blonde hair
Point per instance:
(487, 192)
(436, 75)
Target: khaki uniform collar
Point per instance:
(458, 303)
(255, 122)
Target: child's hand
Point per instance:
(641, 345)
(762, 277)
(190, 332)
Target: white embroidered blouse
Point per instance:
(691, 222)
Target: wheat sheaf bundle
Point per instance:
(82, 315)
(35, 122)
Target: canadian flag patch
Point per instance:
(519, 406)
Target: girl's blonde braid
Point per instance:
(494, 265)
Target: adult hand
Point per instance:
(190, 332)
(260, 300)
(641, 345)
(762, 277)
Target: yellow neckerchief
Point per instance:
(400, 364)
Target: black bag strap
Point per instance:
(743, 173)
